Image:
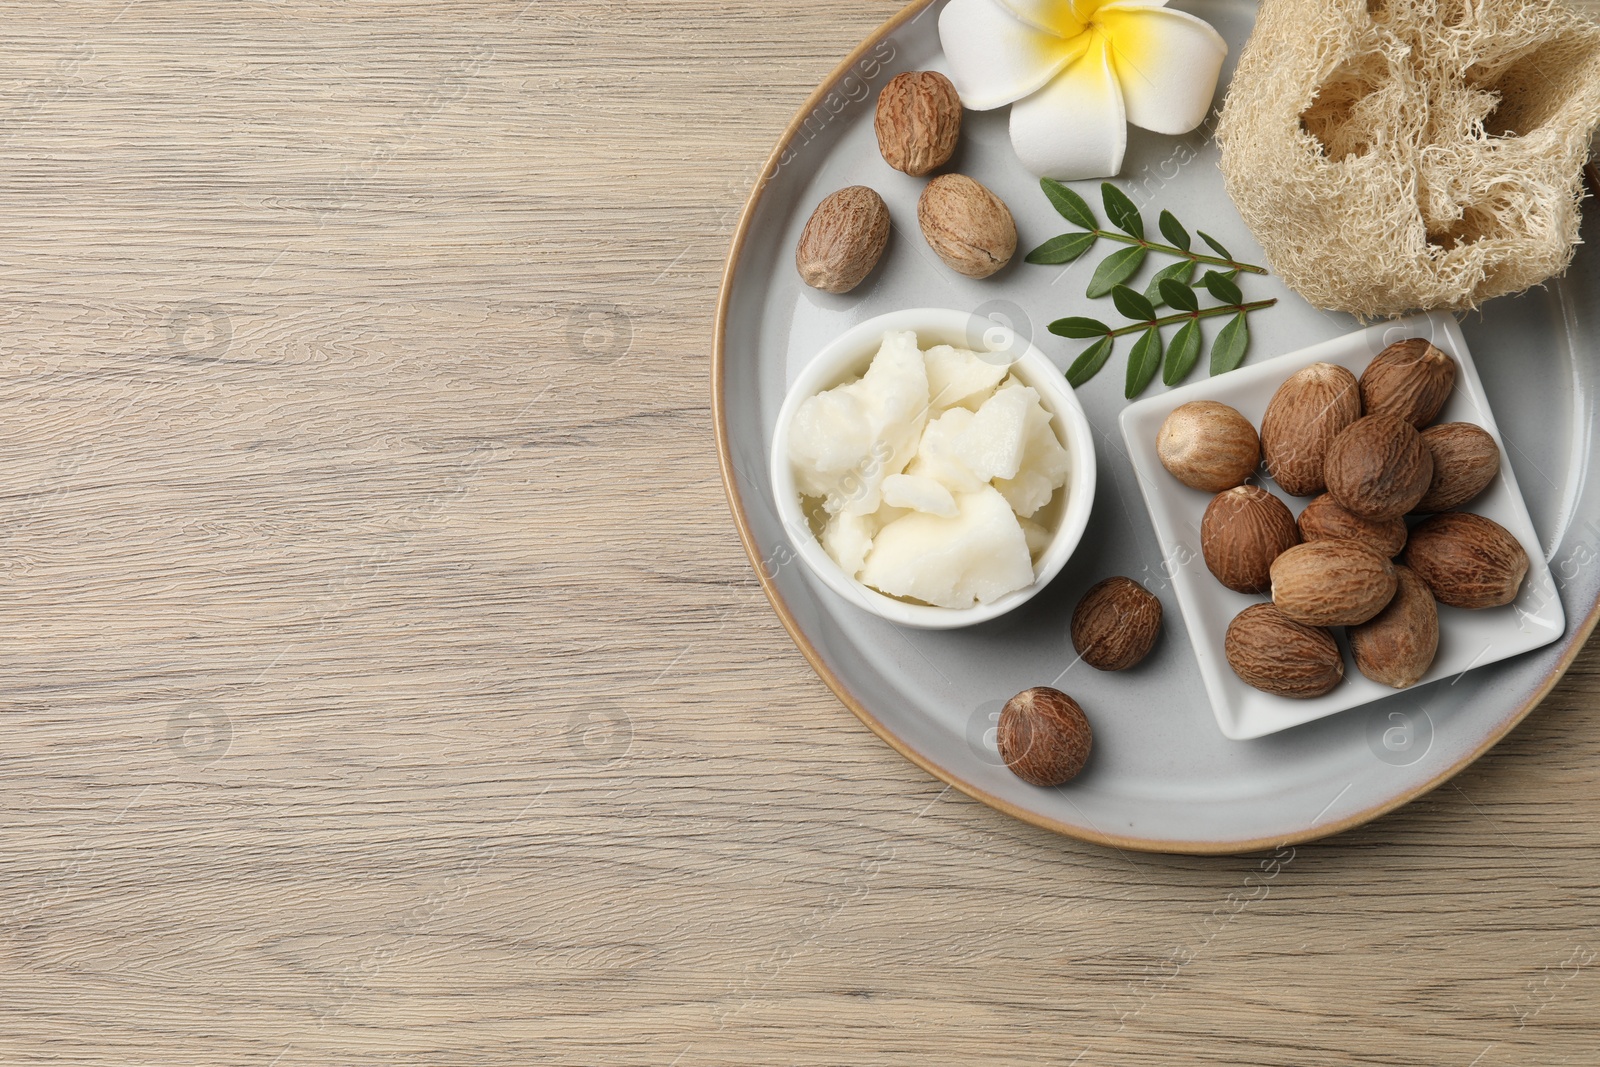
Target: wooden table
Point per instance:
(383, 681)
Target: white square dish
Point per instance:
(1467, 639)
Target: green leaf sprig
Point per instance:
(1172, 287)
(1124, 215)
(1227, 352)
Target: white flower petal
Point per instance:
(1118, 5)
(1168, 63)
(996, 58)
(1075, 127)
(1060, 17)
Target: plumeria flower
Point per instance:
(1076, 72)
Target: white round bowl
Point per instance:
(847, 358)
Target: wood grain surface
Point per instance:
(382, 679)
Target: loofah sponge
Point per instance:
(1399, 154)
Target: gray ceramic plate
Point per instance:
(1162, 777)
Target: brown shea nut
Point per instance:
(1277, 655)
(1044, 737)
(1116, 625)
(1332, 583)
(1379, 468)
(1306, 413)
(1325, 520)
(1243, 531)
(1466, 461)
(918, 122)
(969, 227)
(1397, 647)
(1467, 560)
(1410, 379)
(843, 240)
(1209, 446)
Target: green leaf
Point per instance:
(1132, 304)
(1182, 271)
(1182, 353)
(1231, 345)
(1216, 245)
(1143, 361)
(1063, 249)
(1072, 207)
(1079, 327)
(1173, 231)
(1120, 210)
(1178, 296)
(1089, 363)
(1117, 268)
(1223, 288)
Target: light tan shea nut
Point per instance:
(1399, 645)
(1116, 625)
(1379, 468)
(843, 240)
(1305, 415)
(1325, 520)
(1411, 379)
(918, 122)
(1332, 583)
(1465, 462)
(1244, 530)
(1277, 655)
(968, 226)
(1044, 737)
(1467, 560)
(1209, 446)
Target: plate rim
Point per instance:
(741, 234)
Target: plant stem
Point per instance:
(1129, 239)
(1183, 316)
